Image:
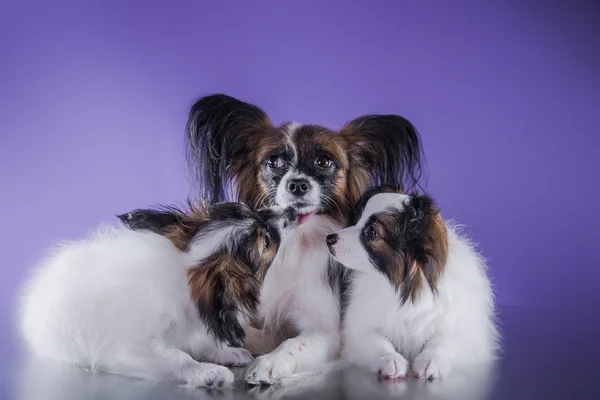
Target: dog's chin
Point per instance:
(334, 257)
(341, 260)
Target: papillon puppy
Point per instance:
(236, 152)
(419, 293)
(161, 298)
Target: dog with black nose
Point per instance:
(164, 296)
(236, 153)
(419, 296)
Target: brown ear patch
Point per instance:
(436, 248)
(221, 287)
(188, 224)
(426, 248)
(266, 258)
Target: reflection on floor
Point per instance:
(547, 355)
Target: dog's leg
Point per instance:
(165, 363)
(433, 361)
(257, 341)
(376, 352)
(302, 353)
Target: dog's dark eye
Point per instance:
(371, 232)
(324, 162)
(275, 162)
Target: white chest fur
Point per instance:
(296, 295)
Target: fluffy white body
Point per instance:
(299, 309)
(434, 334)
(119, 302)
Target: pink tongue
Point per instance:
(302, 218)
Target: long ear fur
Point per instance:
(221, 139)
(383, 150)
(176, 224)
(220, 293)
(157, 220)
(426, 241)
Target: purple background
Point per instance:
(93, 101)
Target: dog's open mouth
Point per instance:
(305, 211)
(303, 218)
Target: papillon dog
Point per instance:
(419, 294)
(162, 297)
(235, 152)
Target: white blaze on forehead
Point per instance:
(380, 202)
(292, 127)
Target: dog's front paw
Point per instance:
(211, 376)
(429, 366)
(270, 369)
(233, 356)
(392, 366)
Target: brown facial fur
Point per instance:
(300, 151)
(229, 142)
(411, 247)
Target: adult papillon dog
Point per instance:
(163, 297)
(419, 296)
(236, 152)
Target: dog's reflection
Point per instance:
(40, 379)
(473, 384)
(324, 385)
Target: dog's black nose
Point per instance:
(298, 187)
(332, 239)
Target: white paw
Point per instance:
(236, 357)
(211, 376)
(270, 369)
(429, 367)
(392, 366)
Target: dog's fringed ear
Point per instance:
(418, 213)
(215, 301)
(158, 221)
(383, 150)
(426, 240)
(225, 323)
(222, 135)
